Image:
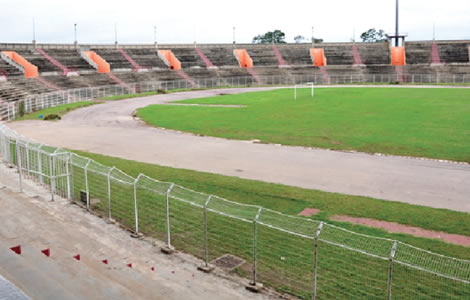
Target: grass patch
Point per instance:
(430, 123)
(60, 110)
(291, 200)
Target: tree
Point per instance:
(317, 41)
(275, 36)
(299, 39)
(374, 36)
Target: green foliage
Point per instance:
(413, 122)
(373, 36)
(52, 117)
(299, 39)
(276, 36)
(316, 40)
(21, 108)
(59, 111)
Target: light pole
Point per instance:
(155, 35)
(34, 32)
(233, 35)
(75, 34)
(396, 25)
(115, 35)
(313, 38)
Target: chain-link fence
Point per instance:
(299, 256)
(12, 109)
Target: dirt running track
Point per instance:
(111, 130)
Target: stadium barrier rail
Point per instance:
(10, 110)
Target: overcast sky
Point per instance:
(211, 21)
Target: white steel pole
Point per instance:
(109, 191)
(135, 205)
(86, 185)
(167, 201)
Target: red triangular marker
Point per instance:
(152, 268)
(129, 265)
(16, 249)
(77, 257)
(46, 252)
(105, 261)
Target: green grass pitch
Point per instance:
(424, 122)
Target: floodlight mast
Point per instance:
(396, 26)
(34, 31)
(115, 35)
(75, 34)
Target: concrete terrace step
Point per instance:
(136, 66)
(37, 59)
(115, 59)
(70, 58)
(188, 57)
(68, 230)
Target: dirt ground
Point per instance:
(35, 223)
(110, 129)
(393, 227)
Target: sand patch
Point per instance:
(393, 227)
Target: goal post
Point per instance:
(302, 86)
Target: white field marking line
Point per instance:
(202, 105)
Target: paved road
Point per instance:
(110, 129)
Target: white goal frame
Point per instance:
(303, 85)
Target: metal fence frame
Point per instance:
(318, 260)
(13, 109)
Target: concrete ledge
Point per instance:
(255, 288)
(137, 235)
(206, 269)
(168, 250)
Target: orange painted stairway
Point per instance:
(318, 57)
(103, 67)
(174, 64)
(398, 56)
(29, 70)
(98, 61)
(246, 62)
(243, 58)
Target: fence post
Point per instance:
(52, 165)
(135, 207)
(86, 185)
(206, 241)
(18, 164)
(51, 181)
(109, 191)
(392, 256)
(67, 170)
(255, 242)
(315, 266)
(41, 177)
(28, 166)
(167, 207)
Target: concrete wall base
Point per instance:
(167, 250)
(255, 288)
(206, 269)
